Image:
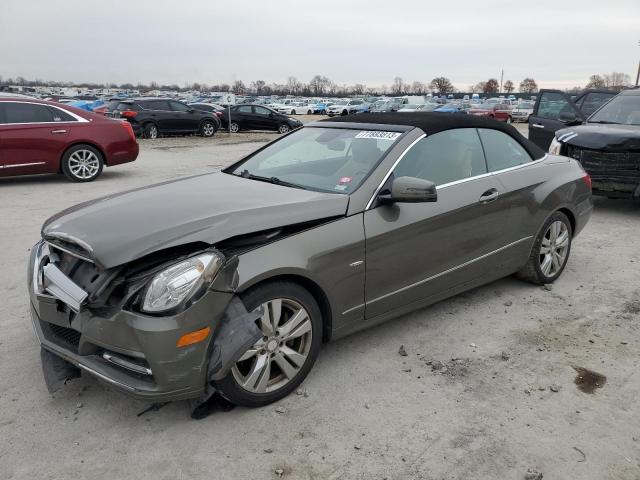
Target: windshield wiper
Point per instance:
(275, 180)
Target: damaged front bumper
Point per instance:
(136, 353)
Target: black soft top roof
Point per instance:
(434, 122)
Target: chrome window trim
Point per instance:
(450, 270)
(449, 184)
(78, 118)
(395, 164)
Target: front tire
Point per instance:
(82, 163)
(277, 364)
(550, 251)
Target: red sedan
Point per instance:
(497, 111)
(46, 137)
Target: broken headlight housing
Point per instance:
(180, 281)
(556, 147)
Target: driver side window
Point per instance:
(444, 157)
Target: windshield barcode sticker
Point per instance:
(378, 135)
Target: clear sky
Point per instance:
(557, 42)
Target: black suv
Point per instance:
(607, 144)
(258, 117)
(151, 117)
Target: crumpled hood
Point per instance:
(605, 137)
(208, 208)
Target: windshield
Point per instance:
(340, 102)
(486, 106)
(332, 160)
(623, 109)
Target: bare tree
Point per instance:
(294, 85)
(398, 86)
(617, 80)
(595, 81)
(508, 86)
(418, 88)
(491, 86)
(528, 85)
(441, 85)
(258, 86)
(319, 84)
(239, 87)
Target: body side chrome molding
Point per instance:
(17, 165)
(450, 270)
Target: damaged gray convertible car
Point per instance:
(230, 282)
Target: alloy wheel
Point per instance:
(153, 132)
(274, 360)
(554, 248)
(84, 164)
(208, 129)
(234, 127)
(283, 128)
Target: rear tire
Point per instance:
(284, 128)
(208, 128)
(250, 385)
(151, 131)
(550, 251)
(82, 163)
(234, 127)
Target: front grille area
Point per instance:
(604, 164)
(65, 337)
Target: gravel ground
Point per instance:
(486, 390)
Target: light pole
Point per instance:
(638, 74)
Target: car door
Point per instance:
(32, 138)
(592, 100)
(245, 116)
(417, 251)
(519, 176)
(161, 113)
(552, 111)
(263, 119)
(185, 118)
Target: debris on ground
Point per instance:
(401, 351)
(584, 457)
(548, 287)
(505, 356)
(281, 410)
(533, 474)
(508, 303)
(268, 450)
(357, 446)
(555, 388)
(154, 407)
(279, 472)
(406, 370)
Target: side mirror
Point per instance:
(410, 190)
(568, 117)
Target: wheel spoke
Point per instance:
(556, 262)
(545, 266)
(261, 366)
(265, 322)
(296, 326)
(252, 352)
(563, 239)
(275, 309)
(296, 358)
(544, 250)
(288, 369)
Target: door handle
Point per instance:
(537, 125)
(59, 131)
(489, 196)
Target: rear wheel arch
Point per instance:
(312, 287)
(570, 216)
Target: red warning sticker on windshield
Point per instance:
(345, 180)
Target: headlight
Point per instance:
(179, 282)
(555, 147)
